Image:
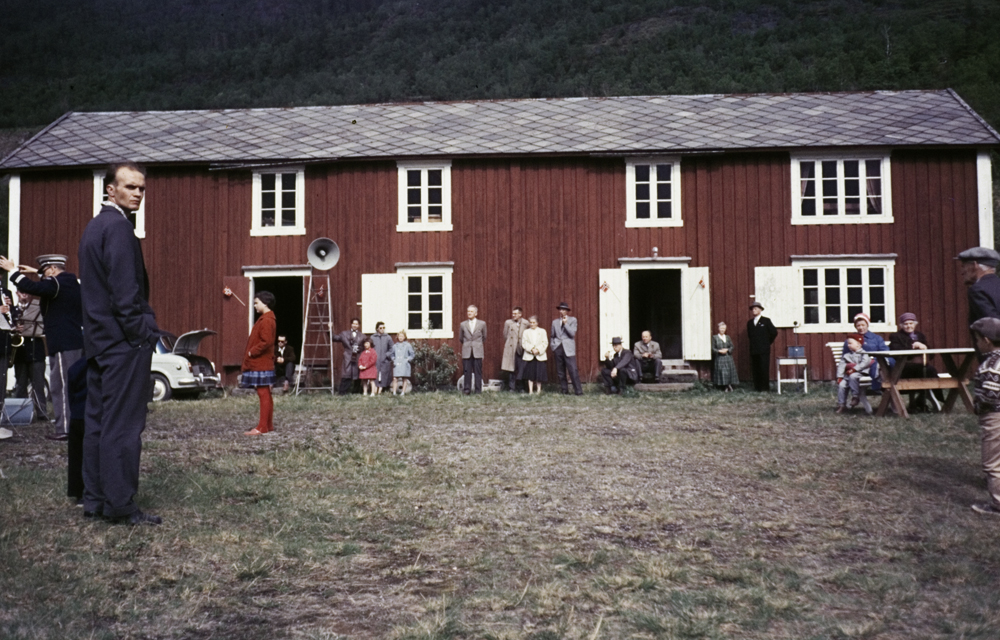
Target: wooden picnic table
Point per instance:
(893, 383)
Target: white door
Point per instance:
(613, 308)
(696, 314)
(778, 289)
(382, 300)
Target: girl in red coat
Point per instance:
(366, 365)
(258, 363)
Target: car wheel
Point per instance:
(161, 387)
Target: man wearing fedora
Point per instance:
(761, 332)
(562, 339)
(59, 293)
(979, 266)
(619, 370)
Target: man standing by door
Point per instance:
(119, 333)
(563, 343)
(761, 332)
(472, 335)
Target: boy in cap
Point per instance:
(986, 335)
(853, 363)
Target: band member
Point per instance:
(29, 355)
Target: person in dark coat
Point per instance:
(119, 334)
(761, 333)
(352, 339)
(59, 292)
(382, 343)
(979, 266)
(909, 339)
(284, 363)
(619, 370)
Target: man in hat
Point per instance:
(59, 293)
(761, 332)
(119, 334)
(619, 370)
(979, 266)
(353, 340)
(562, 339)
(986, 336)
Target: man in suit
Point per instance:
(761, 332)
(979, 266)
(284, 362)
(353, 340)
(119, 333)
(59, 292)
(619, 370)
(472, 335)
(513, 362)
(649, 357)
(562, 339)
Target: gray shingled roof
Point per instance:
(627, 125)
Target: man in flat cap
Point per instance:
(562, 339)
(979, 265)
(761, 332)
(986, 335)
(619, 370)
(59, 293)
(119, 333)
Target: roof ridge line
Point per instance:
(24, 144)
(972, 111)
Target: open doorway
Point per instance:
(655, 306)
(289, 305)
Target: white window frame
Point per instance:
(256, 226)
(887, 262)
(101, 198)
(446, 331)
(403, 224)
(841, 218)
(675, 219)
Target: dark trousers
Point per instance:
(650, 366)
(33, 372)
(118, 390)
(514, 376)
(760, 368)
(616, 384)
(472, 367)
(347, 386)
(74, 479)
(566, 363)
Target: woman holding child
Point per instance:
(870, 342)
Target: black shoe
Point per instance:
(92, 515)
(57, 436)
(137, 518)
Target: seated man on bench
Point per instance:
(649, 357)
(618, 370)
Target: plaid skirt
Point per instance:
(254, 379)
(724, 372)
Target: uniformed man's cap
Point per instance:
(989, 328)
(51, 259)
(616, 340)
(983, 255)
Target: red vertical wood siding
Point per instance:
(530, 232)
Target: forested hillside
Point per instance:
(61, 55)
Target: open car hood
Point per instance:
(187, 344)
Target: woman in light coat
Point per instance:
(535, 341)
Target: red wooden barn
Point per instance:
(667, 213)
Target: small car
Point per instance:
(178, 369)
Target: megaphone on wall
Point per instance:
(323, 254)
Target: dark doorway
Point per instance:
(289, 305)
(654, 305)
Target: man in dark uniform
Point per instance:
(619, 370)
(979, 266)
(352, 339)
(761, 332)
(59, 293)
(119, 332)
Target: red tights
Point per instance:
(266, 423)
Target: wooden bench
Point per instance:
(838, 350)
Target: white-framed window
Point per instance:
(833, 290)
(416, 298)
(841, 190)
(653, 192)
(101, 199)
(424, 196)
(278, 202)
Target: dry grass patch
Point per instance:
(695, 515)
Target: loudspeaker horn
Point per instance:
(323, 254)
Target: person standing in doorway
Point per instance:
(761, 333)
(119, 334)
(472, 335)
(284, 363)
(562, 339)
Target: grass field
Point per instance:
(689, 515)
